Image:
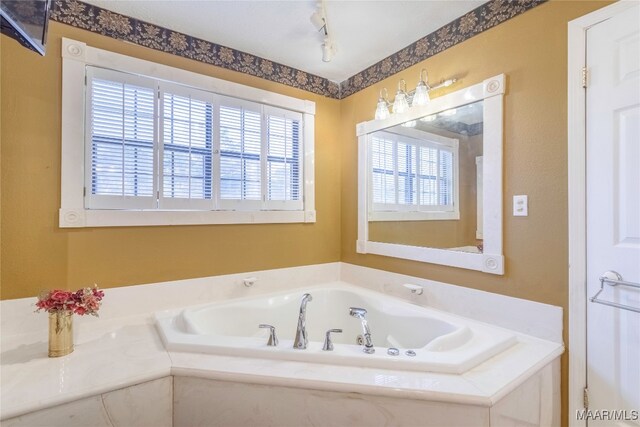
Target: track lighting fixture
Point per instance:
(319, 21)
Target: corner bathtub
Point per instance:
(442, 342)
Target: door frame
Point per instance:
(576, 138)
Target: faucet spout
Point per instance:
(301, 341)
(360, 313)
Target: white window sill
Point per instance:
(78, 218)
(413, 216)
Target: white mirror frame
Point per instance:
(491, 91)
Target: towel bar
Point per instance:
(605, 278)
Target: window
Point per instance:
(256, 148)
(185, 167)
(120, 141)
(165, 146)
(416, 177)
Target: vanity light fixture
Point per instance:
(405, 100)
(382, 109)
(400, 102)
(421, 95)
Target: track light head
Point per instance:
(318, 20)
(328, 50)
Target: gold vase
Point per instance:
(60, 333)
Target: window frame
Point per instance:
(414, 212)
(76, 56)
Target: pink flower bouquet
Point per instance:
(81, 302)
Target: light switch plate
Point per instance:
(520, 205)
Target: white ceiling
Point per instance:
(365, 31)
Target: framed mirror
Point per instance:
(430, 181)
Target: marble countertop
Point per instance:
(122, 347)
(121, 352)
(110, 355)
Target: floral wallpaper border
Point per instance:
(101, 21)
(122, 27)
(484, 17)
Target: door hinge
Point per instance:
(585, 398)
(585, 74)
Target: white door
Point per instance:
(613, 219)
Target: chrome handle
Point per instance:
(328, 345)
(273, 339)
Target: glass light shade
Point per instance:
(400, 103)
(421, 95)
(382, 110)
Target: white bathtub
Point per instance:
(442, 342)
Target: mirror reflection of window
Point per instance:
(412, 174)
(426, 181)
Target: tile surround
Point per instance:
(528, 317)
(202, 402)
(125, 344)
(146, 404)
(83, 412)
(101, 21)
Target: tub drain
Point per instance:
(360, 340)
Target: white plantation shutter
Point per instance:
(437, 184)
(445, 175)
(186, 135)
(383, 170)
(120, 141)
(154, 144)
(407, 164)
(241, 135)
(283, 159)
(410, 174)
(428, 176)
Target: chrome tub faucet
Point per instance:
(360, 313)
(301, 340)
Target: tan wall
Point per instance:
(441, 233)
(37, 255)
(535, 150)
(531, 49)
